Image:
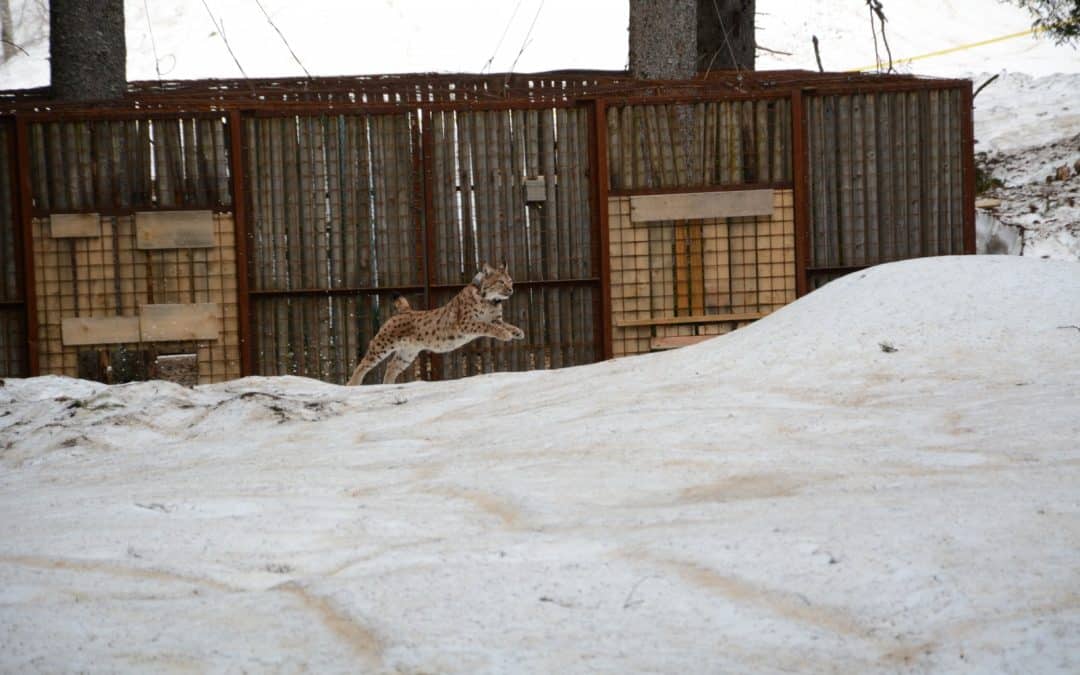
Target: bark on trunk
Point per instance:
(662, 39)
(725, 35)
(7, 30)
(87, 49)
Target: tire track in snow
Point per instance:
(361, 639)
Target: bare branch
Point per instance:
(282, 36)
(817, 53)
(9, 42)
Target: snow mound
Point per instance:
(960, 314)
(880, 477)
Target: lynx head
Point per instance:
(494, 283)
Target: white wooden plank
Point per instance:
(105, 330)
(68, 225)
(166, 322)
(695, 205)
(174, 229)
(680, 320)
(676, 341)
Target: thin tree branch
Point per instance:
(9, 42)
(221, 31)
(983, 86)
(153, 43)
(524, 43)
(771, 51)
(817, 53)
(282, 36)
(877, 8)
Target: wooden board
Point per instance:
(674, 320)
(174, 229)
(696, 205)
(674, 342)
(68, 225)
(105, 330)
(200, 321)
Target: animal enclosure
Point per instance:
(203, 231)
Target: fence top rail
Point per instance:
(458, 90)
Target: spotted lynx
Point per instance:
(474, 312)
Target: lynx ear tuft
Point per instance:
(503, 267)
(488, 269)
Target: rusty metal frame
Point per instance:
(800, 167)
(18, 235)
(683, 98)
(24, 208)
(242, 240)
(967, 149)
(601, 227)
(120, 114)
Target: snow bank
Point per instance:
(880, 477)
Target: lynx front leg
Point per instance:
(515, 332)
(500, 331)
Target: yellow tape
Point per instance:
(940, 52)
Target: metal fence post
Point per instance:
(240, 227)
(801, 188)
(23, 211)
(601, 234)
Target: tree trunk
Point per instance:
(7, 30)
(735, 18)
(662, 39)
(87, 49)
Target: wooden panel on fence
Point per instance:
(138, 163)
(99, 330)
(68, 225)
(698, 205)
(677, 341)
(682, 145)
(884, 178)
(174, 229)
(88, 279)
(174, 322)
(677, 281)
(699, 318)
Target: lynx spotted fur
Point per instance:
(474, 312)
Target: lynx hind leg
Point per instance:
(378, 350)
(397, 364)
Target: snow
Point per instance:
(791, 496)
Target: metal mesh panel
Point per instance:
(675, 281)
(110, 277)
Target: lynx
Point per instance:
(474, 312)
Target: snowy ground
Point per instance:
(881, 477)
